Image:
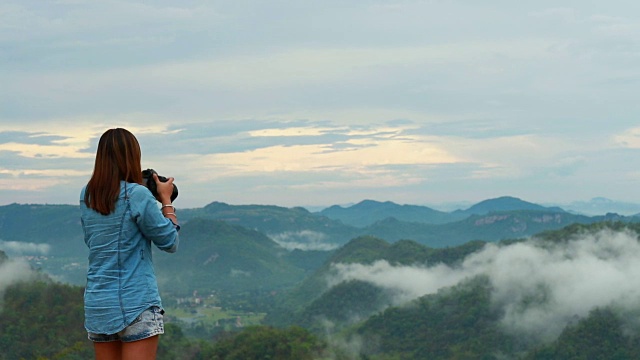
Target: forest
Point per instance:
(308, 318)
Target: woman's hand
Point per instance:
(165, 189)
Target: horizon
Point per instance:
(593, 207)
(319, 104)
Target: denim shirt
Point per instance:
(121, 282)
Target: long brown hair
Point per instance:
(117, 158)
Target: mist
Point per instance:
(19, 248)
(540, 286)
(13, 271)
(303, 240)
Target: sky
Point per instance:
(316, 103)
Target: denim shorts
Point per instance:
(149, 323)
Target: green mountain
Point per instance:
(315, 299)
(462, 323)
(367, 212)
(502, 204)
(601, 335)
(288, 225)
(42, 318)
(291, 302)
(239, 249)
(215, 256)
(489, 227)
(55, 225)
(457, 322)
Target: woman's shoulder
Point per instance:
(140, 197)
(134, 189)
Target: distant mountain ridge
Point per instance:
(505, 203)
(368, 212)
(489, 220)
(54, 231)
(294, 224)
(601, 205)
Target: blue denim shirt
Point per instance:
(121, 282)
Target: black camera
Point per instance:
(150, 183)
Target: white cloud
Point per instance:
(13, 271)
(628, 139)
(553, 73)
(303, 240)
(24, 248)
(406, 282)
(312, 158)
(75, 139)
(541, 287)
(297, 131)
(43, 151)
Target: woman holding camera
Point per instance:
(121, 219)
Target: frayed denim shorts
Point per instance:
(149, 323)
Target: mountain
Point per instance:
(502, 204)
(492, 226)
(43, 320)
(279, 245)
(239, 257)
(290, 302)
(286, 225)
(601, 205)
(476, 318)
(215, 256)
(315, 300)
(385, 299)
(57, 226)
(459, 322)
(367, 212)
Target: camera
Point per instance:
(150, 183)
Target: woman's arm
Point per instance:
(165, 189)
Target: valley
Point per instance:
(468, 286)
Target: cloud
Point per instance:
(303, 240)
(541, 287)
(53, 139)
(354, 154)
(628, 139)
(385, 85)
(13, 271)
(17, 248)
(40, 151)
(110, 19)
(406, 282)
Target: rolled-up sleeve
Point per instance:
(152, 224)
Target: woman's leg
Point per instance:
(144, 349)
(108, 350)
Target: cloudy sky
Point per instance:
(314, 103)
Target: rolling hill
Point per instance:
(367, 212)
(474, 319)
(221, 257)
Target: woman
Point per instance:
(120, 219)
